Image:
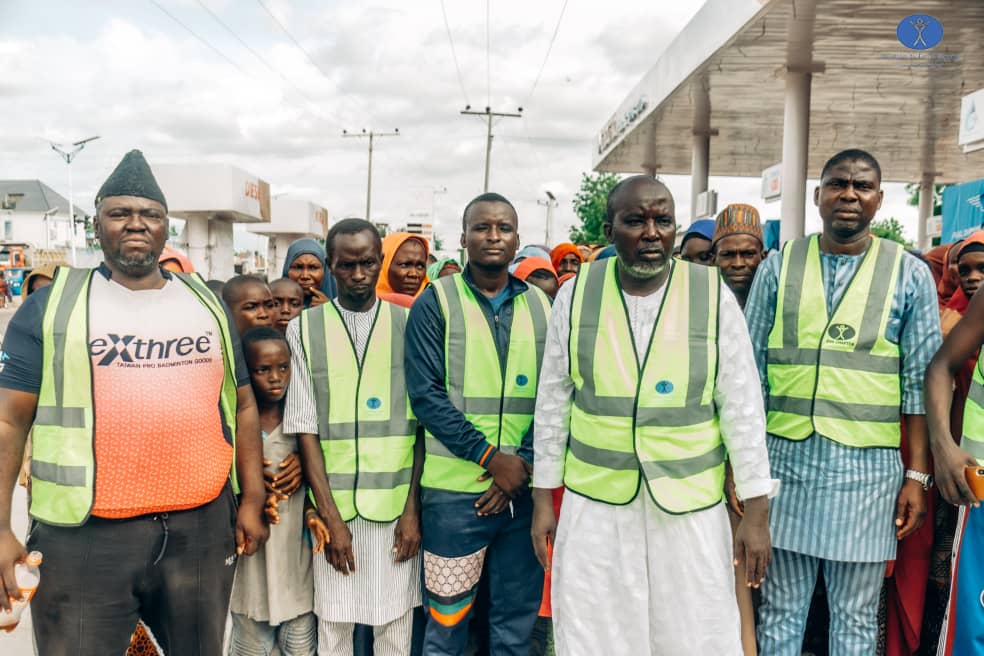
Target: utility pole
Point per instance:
(372, 135)
(68, 155)
(489, 114)
(551, 203)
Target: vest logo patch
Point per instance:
(664, 387)
(133, 351)
(373, 403)
(522, 380)
(841, 333)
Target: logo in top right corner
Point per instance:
(919, 32)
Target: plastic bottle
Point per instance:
(28, 576)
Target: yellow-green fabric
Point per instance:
(63, 457)
(365, 423)
(655, 418)
(835, 375)
(973, 418)
(498, 401)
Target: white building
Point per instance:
(31, 212)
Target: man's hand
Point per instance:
(251, 530)
(544, 526)
(950, 462)
(910, 508)
(753, 544)
(731, 491)
(406, 536)
(494, 501)
(319, 532)
(286, 481)
(11, 553)
(270, 508)
(339, 551)
(511, 473)
(318, 297)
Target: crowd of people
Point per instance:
(637, 447)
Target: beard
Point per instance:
(134, 266)
(641, 271)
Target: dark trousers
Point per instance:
(174, 571)
(452, 530)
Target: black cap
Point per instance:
(132, 177)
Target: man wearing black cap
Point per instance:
(144, 427)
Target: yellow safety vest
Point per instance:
(365, 423)
(63, 452)
(655, 418)
(497, 401)
(973, 417)
(837, 376)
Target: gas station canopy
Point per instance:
(725, 77)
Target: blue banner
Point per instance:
(963, 210)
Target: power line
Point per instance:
(454, 55)
(290, 36)
(553, 38)
(200, 38)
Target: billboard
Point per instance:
(963, 210)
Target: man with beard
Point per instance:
(647, 382)
(473, 350)
(144, 427)
(843, 325)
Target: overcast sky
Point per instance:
(129, 72)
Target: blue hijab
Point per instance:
(311, 247)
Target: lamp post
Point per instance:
(68, 153)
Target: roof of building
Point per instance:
(32, 196)
(725, 73)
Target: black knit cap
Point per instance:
(132, 177)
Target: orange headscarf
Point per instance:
(391, 244)
(947, 285)
(560, 251)
(957, 305)
(169, 255)
(531, 264)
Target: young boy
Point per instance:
(273, 593)
(288, 301)
(250, 302)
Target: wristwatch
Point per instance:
(926, 480)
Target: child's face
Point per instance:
(269, 370)
(288, 301)
(252, 307)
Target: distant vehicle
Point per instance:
(17, 260)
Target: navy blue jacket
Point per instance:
(424, 364)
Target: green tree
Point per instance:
(589, 205)
(890, 228)
(913, 190)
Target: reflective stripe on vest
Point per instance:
(972, 440)
(498, 403)
(366, 427)
(835, 376)
(63, 451)
(657, 417)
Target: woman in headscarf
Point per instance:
(447, 266)
(175, 260)
(566, 258)
(538, 271)
(306, 264)
(948, 284)
(404, 265)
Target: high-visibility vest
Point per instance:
(365, 423)
(837, 376)
(497, 401)
(653, 418)
(63, 452)
(973, 416)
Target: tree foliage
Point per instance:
(589, 205)
(913, 190)
(890, 228)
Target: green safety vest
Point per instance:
(837, 376)
(365, 423)
(497, 401)
(973, 416)
(63, 456)
(655, 418)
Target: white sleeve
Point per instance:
(555, 393)
(300, 410)
(739, 400)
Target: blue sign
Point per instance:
(374, 403)
(664, 387)
(522, 380)
(963, 210)
(919, 32)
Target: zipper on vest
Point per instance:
(502, 380)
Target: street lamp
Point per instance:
(68, 153)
